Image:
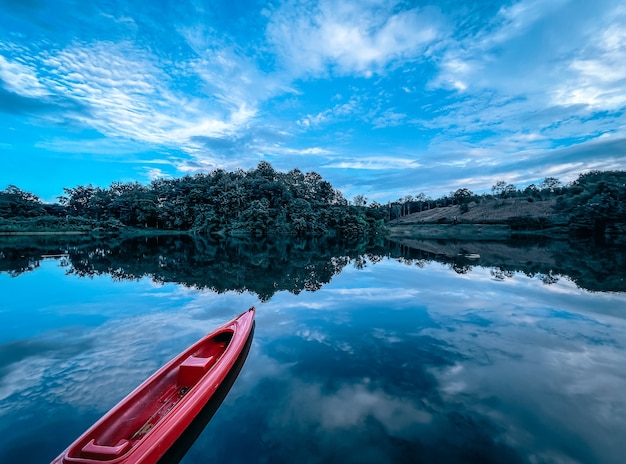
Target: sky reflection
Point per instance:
(390, 363)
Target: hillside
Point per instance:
(491, 219)
(489, 211)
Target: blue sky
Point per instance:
(383, 98)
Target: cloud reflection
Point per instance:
(486, 372)
(393, 363)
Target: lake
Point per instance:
(434, 352)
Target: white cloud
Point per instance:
(121, 86)
(374, 163)
(156, 173)
(20, 79)
(303, 151)
(341, 111)
(517, 18)
(560, 53)
(349, 36)
(313, 119)
(126, 93)
(389, 118)
(598, 73)
(234, 79)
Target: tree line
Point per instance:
(594, 202)
(261, 201)
(463, 197)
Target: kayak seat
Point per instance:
(192, 369)
(103, 452)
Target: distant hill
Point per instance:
(594, 205)
(492, 218)
(489, 211)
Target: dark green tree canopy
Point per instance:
(261, 201)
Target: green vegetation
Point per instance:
(258, 202)
(265, 202)
(592, 205)
(596, 202)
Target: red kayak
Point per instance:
(145, 424)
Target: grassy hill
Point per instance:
(491, 219)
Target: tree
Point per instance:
(76, 200)
(597, 200)
(498, 188)
(463, 196)
(420, 199)
(509, 191)
(359, 200)
(503, 190)
(551, 184)
(254, 220)
(266, 170)
(260, 201)
(15, 202)
(532, 191)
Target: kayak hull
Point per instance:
(144, 425)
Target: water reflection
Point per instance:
(591, 266)
(403, 354)
(58, 380)
(261, 267)
(266, 267)
(473, 374)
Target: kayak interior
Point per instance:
(147, 406)
(186, 440)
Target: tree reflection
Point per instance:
(262, 267)
(501, 274)
(265, 267)
(589, 266)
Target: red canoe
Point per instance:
(145, 424)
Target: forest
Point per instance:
(266, 202)
(259, 202)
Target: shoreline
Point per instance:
(67, 232)
(467, 231)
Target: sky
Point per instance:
(383, 98)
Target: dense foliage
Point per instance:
(264, 201)
(596, 201)
(261, 201)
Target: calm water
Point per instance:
(379, 356)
